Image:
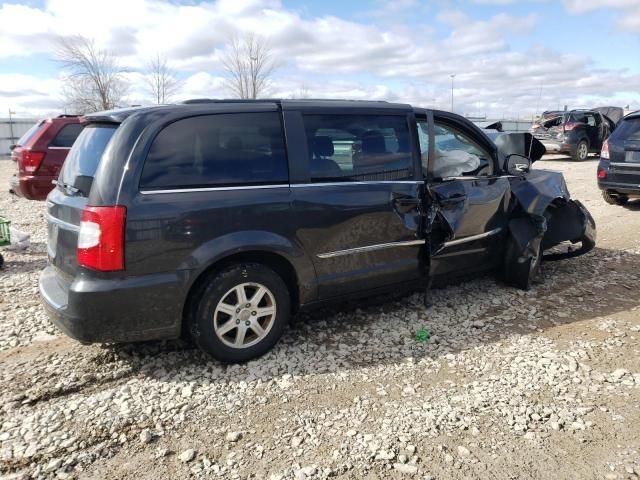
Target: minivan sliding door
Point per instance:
(358, 209)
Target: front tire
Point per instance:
(240, 313)
(521, 273)
(614, 199)
(581, 151)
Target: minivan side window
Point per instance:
(67, 135)
(237, 149)
(346, 148)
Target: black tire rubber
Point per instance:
(200, 320)
(614, 199)
(575, 155)
(520, 274)
(1, 261)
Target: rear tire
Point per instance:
(521, 274)
(614, 199)
(240, 313)
(581, 151)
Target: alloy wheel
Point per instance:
(583, 151)
(244, 315)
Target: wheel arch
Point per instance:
(277, 262)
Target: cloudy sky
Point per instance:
(511, 58)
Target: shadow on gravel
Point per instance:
(382, 330)
(12, 265)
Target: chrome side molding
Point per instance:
(471, 238)
(371, 248)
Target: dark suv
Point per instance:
(40, 153)
(222, 219)
(576, 132)
(619, 167)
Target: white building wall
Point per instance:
(11, 131)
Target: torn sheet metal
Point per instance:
(521, 143)
(552, 217)
(538, 189)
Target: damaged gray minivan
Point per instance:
(220, 219)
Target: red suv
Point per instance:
(40, 153)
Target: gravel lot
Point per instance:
(543, 384)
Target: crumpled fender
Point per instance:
(541, 227)
(538, 189)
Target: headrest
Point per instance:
(323, 146)
(373, 142)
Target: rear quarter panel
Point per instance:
(190, 231)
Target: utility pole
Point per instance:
(12, 139)
(453, 75)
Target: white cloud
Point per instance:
(329, 55)
(628, 20)
(584, 6)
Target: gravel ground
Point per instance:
(542, 384)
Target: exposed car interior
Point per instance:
(457, 155)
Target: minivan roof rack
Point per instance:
(193, 101)
(276, 100)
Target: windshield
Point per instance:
(24, 139)
(84, 157)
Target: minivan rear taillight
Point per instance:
(101, 238)
(570, 126)
(29, 161)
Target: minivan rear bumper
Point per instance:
(113, 310)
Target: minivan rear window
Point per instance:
(234, 149)
(83, 159)
(627, 129)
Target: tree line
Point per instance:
(95, 79)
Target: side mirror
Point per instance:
(516, 164)
(12, 147)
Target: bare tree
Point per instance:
(94, 78)
(161, 80)
(304, 91)
(249, 64)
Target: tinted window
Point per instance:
(577, 117)
(358, 147)
(24, 139)
(218, 150)
(591, 120)
(84, 158)
(627, 129)
(67, 135)
(457, 154)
